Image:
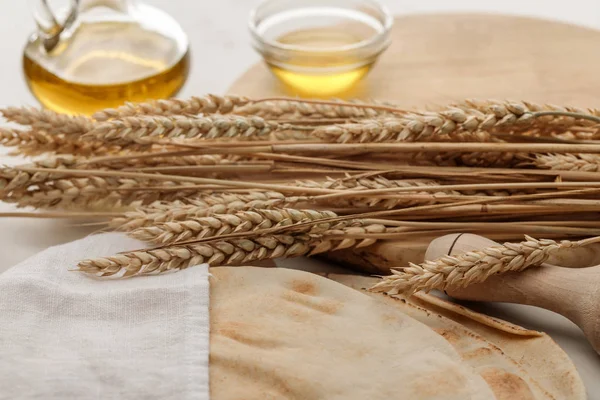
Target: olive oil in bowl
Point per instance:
(320, 49)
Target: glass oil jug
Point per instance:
(94, 54)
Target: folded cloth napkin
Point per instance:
(65, 335)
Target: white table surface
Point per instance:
(218, 36)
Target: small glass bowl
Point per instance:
(320, 48)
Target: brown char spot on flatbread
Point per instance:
(451, 336)
(478, 352)
(507, 386)
(304, 286)
(245, 333)
(279, 386)
(300, 315)
(391, 318)
(327, 306)
(445, 383)
(571, 378)
(359, 351)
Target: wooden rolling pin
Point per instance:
(384, 255)
(573, 293)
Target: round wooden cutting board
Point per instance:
(436, 59)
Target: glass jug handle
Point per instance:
(49, 27)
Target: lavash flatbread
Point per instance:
(515, 366)
(285, 334)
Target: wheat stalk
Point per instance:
(12, 179)
(475, 174)
(47, 121)
(454, 272)
(476, 159)
(221, 224)
(195, 105)
(347, 149)
(568, 162)
(138, 129)
(136, 163)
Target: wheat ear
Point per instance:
(17, 138)
(568, 162)
(327, 245)
(503, 108)
(195, 105)
(468, 121)
(223, 252)
(202, 206)
(11, 179)
(222, 224)
(138, 129)
(378, 182)
(453, 124)
(556, 123)
(454, 272)
(60, 145)
(96, 193)
(293, 109)
(48, 121)
(35, 142)
(226, 252)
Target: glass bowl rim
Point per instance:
(388, 22)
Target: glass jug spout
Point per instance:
(56, 23)
(50, 26)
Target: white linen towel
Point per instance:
(64, 335)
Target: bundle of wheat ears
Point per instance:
(228, 180)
